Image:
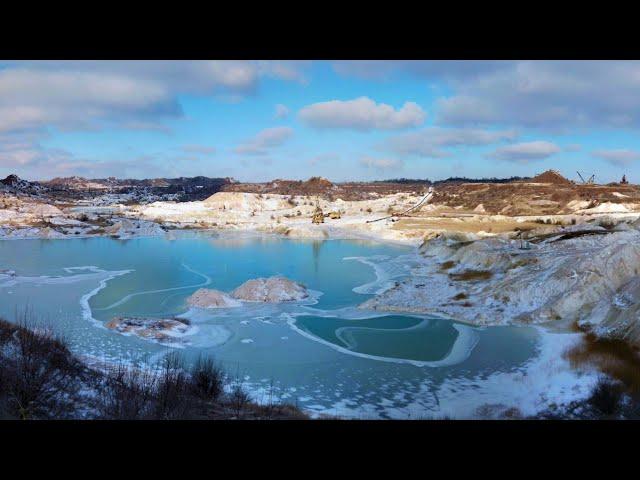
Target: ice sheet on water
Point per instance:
(386, 269)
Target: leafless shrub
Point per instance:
(238, 399)
(41, 379)
(38, 375)
(172, 401)
(207, 379)
(606, 397)
(127, 394)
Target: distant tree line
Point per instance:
(452, 180)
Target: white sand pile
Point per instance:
(209, 298)
(126, 228)
(608, 207)
(236, 201)
(271, 290)
(42, 210)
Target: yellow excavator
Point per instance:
(318, 215)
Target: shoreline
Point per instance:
(489, 254)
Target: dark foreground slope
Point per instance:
(41, 379)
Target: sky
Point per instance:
(343, 120)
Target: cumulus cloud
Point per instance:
(381, 163)
(541, 94)
(427, 69)
(547, 94)
(525, 152)
(292, 70)
(362, 114)
(80, 94)
(40, 96)
(75, 95)
(619, 157)
(282, 111)
(24, 155)
(430, 142)
(264, 141)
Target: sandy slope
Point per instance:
(591, 280)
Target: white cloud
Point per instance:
(525, 152)
(362, 114)
(430, 141)
(619, 157)
(38, 96)
(547, 94)
(292, 70)
(264, 141)
(21, 154)
(427, 69)
(128, 94)
(381, 163)
(282, 111)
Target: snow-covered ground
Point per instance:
(592, 279)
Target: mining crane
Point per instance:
(587, 182)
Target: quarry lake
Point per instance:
(324, 354)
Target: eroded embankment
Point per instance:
(585, 274)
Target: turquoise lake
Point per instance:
(325, 355)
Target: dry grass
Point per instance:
(471, 275)
(615, 358)
(38, 375)
(41, 379)
(447, 265)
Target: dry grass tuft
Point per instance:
(471, 275)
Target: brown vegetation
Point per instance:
(41, 379)
(471, 275)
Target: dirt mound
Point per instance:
(551, 176)
(317, 182)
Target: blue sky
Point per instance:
(345, 120)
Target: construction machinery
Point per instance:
(424, 200)
(590, 181)
(318, 215)
(334, 215)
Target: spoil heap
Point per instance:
(551, 176)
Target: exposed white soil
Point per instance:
(591, 279)
(209, 298)
(126, 228)
(280, 214)
(270, 290)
